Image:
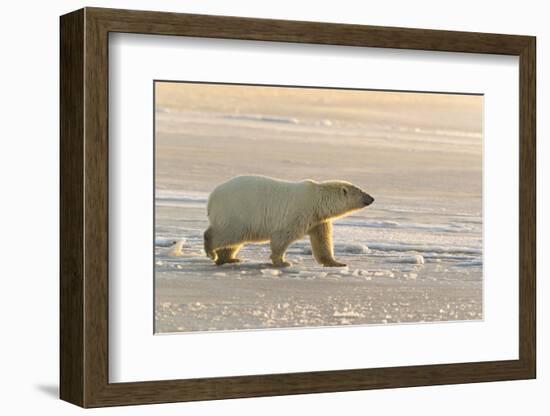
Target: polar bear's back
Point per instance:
(256, 203)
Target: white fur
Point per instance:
(253, 209)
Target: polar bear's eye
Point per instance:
(344, 191)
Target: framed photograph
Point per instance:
(254, 207)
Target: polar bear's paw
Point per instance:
(220, 261)
(282, 263)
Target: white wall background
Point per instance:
(29, 84)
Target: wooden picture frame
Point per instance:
(84, 207)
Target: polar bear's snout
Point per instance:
(367, 199)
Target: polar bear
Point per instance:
(258, 209)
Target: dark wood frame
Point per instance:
(84, 207)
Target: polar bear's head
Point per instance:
(339, 198)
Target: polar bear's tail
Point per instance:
(208, 249)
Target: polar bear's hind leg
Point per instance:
(227, 255)
(208, 247)
(279, 244)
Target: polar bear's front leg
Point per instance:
(321, 245)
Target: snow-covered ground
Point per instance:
(415, 255)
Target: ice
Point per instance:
(351, 248)
(424, 248)
(451, 228)
(383, 273)
(164, 242)
(471, 263)
(347, 314)
(408, 259)
(271, 272)
(339, 248)
(177, 249)
(179, 198)
(312, 274)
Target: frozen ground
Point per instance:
(413, 256)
